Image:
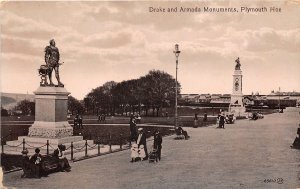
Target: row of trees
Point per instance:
(154, 91)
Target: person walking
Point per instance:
(196, 121)
(205, 117)
(133, 131)
(80, 122)
(141, 140)
(157, 143)
(222, 121)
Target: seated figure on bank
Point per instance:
(296, 143)
(61, 159)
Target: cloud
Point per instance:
(26, 28)
(18, 46)
(267, 39)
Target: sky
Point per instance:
(116, 41)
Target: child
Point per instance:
(142, 153)
(134, 153)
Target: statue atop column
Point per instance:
(52, 63)
(238, 64)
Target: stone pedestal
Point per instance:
(236, 102)
(50, 126)
(51, 105)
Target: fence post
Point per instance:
(110, 150)
(23, 143)
(72, 151)
(98, 142)
(47, 147)
(86, 148)
(120, 141)
(24, 132)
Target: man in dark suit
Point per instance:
(133, 132)
(157, 143)
(141, 140)
(222, 121)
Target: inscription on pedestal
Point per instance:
(50, 132)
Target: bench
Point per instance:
(50, 163)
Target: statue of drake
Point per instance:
(52, 61)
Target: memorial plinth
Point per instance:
(51, 105)
(236, 102)
(50, 126)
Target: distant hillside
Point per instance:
(10, 100)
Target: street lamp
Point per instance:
(176, 52)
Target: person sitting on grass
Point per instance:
(296, 143)
(183, 132)
(62, 160)
(36, 159)
(25, 164)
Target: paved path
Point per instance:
(243, 155)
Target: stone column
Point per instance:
(51, 108)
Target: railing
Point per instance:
(100, 140)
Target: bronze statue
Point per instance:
(52, 62)
(238, 65)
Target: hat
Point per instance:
(140, 129)
(37, 150)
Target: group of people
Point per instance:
(139, 147)
(33, 166)
(78, 122)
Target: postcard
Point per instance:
(150, 94)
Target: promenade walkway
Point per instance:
(248, 154)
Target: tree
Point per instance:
(74, 105)
(101, 98)
(27, 107)
(159, 90)
(154, 90)
(4, 112)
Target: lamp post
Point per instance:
(176, 52)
